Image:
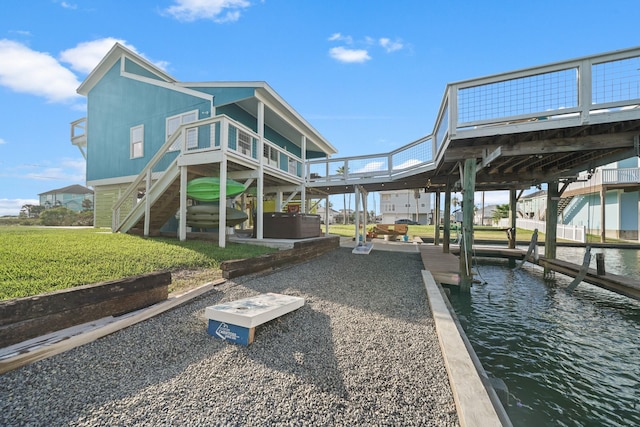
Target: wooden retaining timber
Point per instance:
(30, 351)
(302, 251)
(29, 317)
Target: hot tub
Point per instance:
(279, 225)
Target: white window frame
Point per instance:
(244, 143)
(271, 156)
(136, 142)
(192, 134)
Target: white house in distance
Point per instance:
(414, 205)
(320, 210)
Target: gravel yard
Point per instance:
(362, 351)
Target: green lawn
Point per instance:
(34, 260)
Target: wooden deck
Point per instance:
(445, 268)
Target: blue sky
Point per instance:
(368, 75)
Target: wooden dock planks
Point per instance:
(444, 267)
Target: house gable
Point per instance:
(117, 103)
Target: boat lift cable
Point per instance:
(532, 246)
(583, 270)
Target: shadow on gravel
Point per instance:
(300, 343)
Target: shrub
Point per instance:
(58, 216)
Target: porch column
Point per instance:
(603, 205)
(279, 201)
(147, 204)
(513, 208)
(326, 216)
(182, 226)
(303, 192)
(222, 211)
(466, 247)
(553, 195)
(446, 235)
(260, 184)
(436, 220)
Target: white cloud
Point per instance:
(371, 167)
(85, 56)
(38, 73)
(65, 170)
(216, 10)
(68, 5)
(2, 141)
(390, 46)
(337, 37)
(12, 206)
(25, 70)
(343, 54)
(407, 164)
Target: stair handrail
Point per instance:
(180, 131)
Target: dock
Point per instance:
(615, 283)
(445, 268)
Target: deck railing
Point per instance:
(595, 89)
(194, 140)
(621, 176)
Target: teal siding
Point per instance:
(133, 68)
(67, 200)
(115, 105)
(628, 163)
(240, 115)
(226, 95)
(629, 211)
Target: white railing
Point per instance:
(567, 232)
(621, 176)
(194, 139)
(383, 167)
(595, 89)
(79, 131)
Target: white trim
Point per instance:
(170, 85)
(116, 53)
(133, 144)
(176, 146)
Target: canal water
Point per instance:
(567, 359)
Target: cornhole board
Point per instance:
(236, 321)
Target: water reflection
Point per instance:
(568, 359)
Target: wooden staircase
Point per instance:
(564, 202)
(161, 211)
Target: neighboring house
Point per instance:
(611, 192)
(320, 210)
(72, 197)
(485, 217)
(146, 135)
(534, 206)
(406, 204)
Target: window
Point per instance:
(174, 123)
(270, 155)
(136, 140)
(244, 143)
